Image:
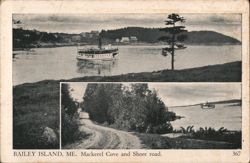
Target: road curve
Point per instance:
(101, 137)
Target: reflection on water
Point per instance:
(61, 63)
(95, 67)
(24, 52)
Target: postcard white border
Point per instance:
(9, 7)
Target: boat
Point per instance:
(100, 53)
(207, 106)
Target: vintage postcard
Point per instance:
(125, 81)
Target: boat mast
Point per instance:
(100, 42)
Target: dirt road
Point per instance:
(104, 137)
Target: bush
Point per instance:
(70, 131)
(221, 134)
(162, 129)
(70, 118)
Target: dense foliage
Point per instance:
(209, 133)
(221, 134)
(133, 107)
(69, 115)
(152, 35)
(149, 35)
(32, 38)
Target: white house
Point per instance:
(133, 39)
(124, 39)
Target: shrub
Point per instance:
(70, 131)
(70, 118)
(221, 134)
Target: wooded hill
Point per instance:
(152, 35)
(33, 38)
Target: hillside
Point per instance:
(33, 38)
(151, 35)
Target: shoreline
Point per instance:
(56, 45)
(227, 72)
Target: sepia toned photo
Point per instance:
(144, 47)
(112, 47)
(150, 116)
(127, 47)
(124, 81)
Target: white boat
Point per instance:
(107, 53)
(207, 106)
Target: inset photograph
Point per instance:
(151, 116)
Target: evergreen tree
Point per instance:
(174, 37)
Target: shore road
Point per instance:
(101, 137)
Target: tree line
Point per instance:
(134, 107)
(31, 38)
(152, 35)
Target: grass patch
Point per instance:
(154, 141)
(228, 72)
(34, 106)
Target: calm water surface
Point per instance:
(61, 62)
(224, 115)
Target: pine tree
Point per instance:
(174, 37)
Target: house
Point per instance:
(90, 34)
(133, 39)
(124, 39)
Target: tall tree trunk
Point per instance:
(172, 60)
(172, 55)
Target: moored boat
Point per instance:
(207, 106)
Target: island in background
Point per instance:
(23, 39)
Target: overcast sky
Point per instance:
(228, 24)
(181, 94)
(188, 94)
(77, 90)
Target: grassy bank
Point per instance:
(228, 72)
(36, 105)
(154, 141)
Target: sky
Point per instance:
(77, 90)
(189, 94)
(228, 24)
(180, 94)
